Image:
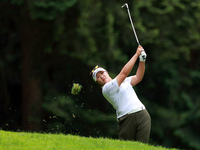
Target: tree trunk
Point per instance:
(31, 91)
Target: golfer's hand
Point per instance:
(143, 55)
(139, 50)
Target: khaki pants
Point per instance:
(135, 126)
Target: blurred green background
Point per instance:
(47, 45)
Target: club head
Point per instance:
(125, 5)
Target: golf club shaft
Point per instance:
(131, 23)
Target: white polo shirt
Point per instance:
(123, 98)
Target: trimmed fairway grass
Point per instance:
(24, 140)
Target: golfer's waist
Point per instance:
(133, 111)
(136, 110)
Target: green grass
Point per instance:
(37, 141)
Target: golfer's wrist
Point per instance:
(137, 55)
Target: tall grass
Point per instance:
(37, 141)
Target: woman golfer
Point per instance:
(134, 120)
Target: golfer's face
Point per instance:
(102, 77)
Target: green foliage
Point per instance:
(16, 2)
(21, 140)
(97, 35)
(49, 9)
(68, 115)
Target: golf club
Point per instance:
(131, 23)
(143, 53)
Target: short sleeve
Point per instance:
(128, 79)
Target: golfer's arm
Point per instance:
(127, 69)
(139, 74)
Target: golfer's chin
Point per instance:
(103, 82)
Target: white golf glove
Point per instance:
(143, 56)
